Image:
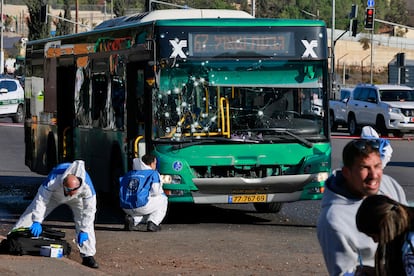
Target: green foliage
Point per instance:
(365, 42)
(37, 29)
(244, 6)
(393, 11)
(119, 7)
(397, 12)
(311, 9)
(63, 27)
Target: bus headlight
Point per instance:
(170, 179)
(322, 176)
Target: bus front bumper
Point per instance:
(282, 188)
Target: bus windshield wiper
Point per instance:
(180, 144)
(188, 143)
(305, 142)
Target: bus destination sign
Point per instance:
(241, 44)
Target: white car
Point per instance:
(11, 99)
(338, 109)
(387, 108)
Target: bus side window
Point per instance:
(99, 97)
(140, 104)
(118, 100)
(82, 97)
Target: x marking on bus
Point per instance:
(178, 48)
(309, 48)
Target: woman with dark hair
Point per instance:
(391, 225)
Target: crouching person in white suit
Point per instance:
(142, 197)
(69, 184)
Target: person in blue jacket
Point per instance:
(70, 184)
(142, 197)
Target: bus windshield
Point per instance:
(257, 100)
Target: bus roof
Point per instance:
(187, 17)
(172, 14)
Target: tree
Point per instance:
(365, 42)
(244, 6)
(64, 27)
(119, 7)
(37, 29)
(397, 12)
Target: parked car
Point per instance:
(338, 110)
(387, 108)
(11, 99)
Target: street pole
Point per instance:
(372, 53)
(76, 15)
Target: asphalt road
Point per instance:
(219, 239)
(18, 183)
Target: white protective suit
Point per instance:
(83, 203)
(156, 208)
(385, 146)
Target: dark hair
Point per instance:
(383, 216)
(390, 221)
(358, 148)
(147, 159)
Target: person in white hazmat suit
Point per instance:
(70, 184)
(142, 197)
(385, 146)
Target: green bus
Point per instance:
(235, 108)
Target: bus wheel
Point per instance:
(272, 207)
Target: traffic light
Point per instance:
(403, 75)
(354, 11)
(43, 13)
(400, 59)
(369, 18)
(353, 27)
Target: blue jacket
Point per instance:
(135, 188)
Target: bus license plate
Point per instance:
(247, 198)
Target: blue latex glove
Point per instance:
(82, 237)
(36, 229)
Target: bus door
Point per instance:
(137, 110)
(65, 85)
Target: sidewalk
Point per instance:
(33, 265)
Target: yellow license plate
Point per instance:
(247, 198)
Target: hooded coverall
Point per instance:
(51, 194)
